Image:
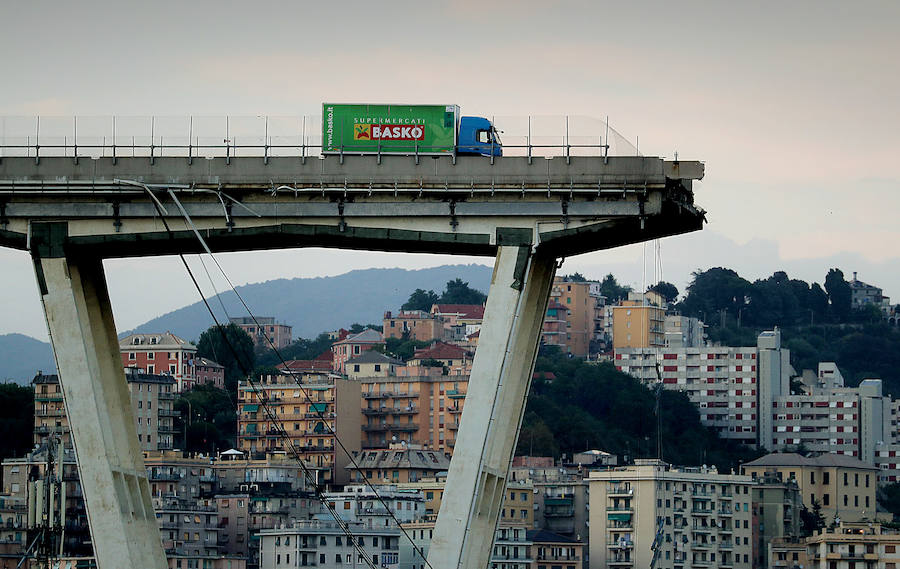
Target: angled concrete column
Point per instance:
(123, 524)
(498, 388)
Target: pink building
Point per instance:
(352, 345)
(164, 354)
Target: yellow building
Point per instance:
(637, 324)
(853, 546)
(302, 418)
(517, 508)
(843, 486)
(702, 517)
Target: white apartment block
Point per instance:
(685, 518)
(730, 386)
(325, 545)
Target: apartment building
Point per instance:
(413, 325)
(353, 345)
(776, 515)
(512, 547)
(459, 320)
(397, 465)
(373, 364)
(418, 410)
(733, 388)
(684, 332)
(638, 324)
(854, 546)
(208, 372)
(152, 397)
(517, 507)
(551, 550)
(575, 317)
(326, 545)
(301, 414)
(690, 517)
(163, 353)
(843, 486)
(360, 504)
(263, 327)
(454, 360)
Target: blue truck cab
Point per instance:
(478, 136)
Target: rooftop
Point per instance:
(367, 336)
(373, 357)
(440, 351)
(473, 311)
(823, 460)
(155, 341)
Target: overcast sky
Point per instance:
(791, 105)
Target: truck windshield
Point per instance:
(496, 136)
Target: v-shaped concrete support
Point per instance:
(495, 401)
(113, 477)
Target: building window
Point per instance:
(131, 356)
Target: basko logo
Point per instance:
(387, 132)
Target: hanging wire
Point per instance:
(311, 480)
(288, 371)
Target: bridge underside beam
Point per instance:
(112, 473)
(498, 388)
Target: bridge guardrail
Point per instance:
(269, 136)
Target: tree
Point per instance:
(210, 418)
(575, 277)
(300, 349)
(667, 290)
(715, 291)
(812, 520)
(839, 295)
(611, 289)
(16, 419)
(888, 497)
(421, 300)
(459, 292)
(232, 348)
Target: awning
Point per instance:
(318, 407)
(618, 517)
(251, 408)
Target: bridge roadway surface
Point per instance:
(526, 213)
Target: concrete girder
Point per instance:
(489, 427)
(111, 468)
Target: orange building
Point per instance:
(637, 324)
(419, 410)
(413, 324)
(580, 306)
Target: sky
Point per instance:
(791, 106)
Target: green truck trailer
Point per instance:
(405, 129)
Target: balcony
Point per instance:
(375, 411)
(454, 410)
(376, 395)
(169, 413)
(617, 491)
(620, 544)
(455, 394)
(405, 428)
(166, 396)
(49, 412)
(377, 427)
(412, 410)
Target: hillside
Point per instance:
(313, 305)
(21, 356)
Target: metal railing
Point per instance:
(198, 137)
